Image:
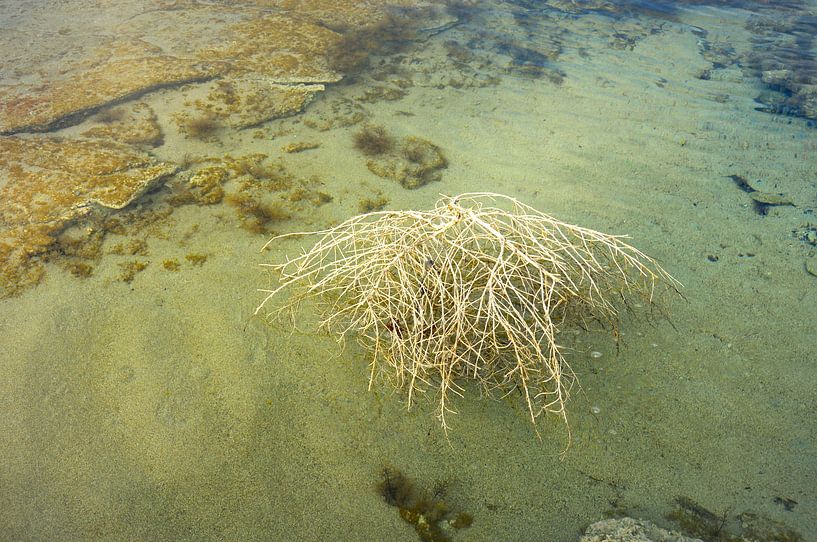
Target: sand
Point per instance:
(161, 408)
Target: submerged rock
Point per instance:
(631, 530)
(249, 101)
(64, 101)
(137, 125)
(258, 59)
(413, 163)
(50, 179)
(48, 182)
(290, 46)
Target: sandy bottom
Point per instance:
(163, 409)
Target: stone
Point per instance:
(51, 179)
(285, 49)
(259, 59)
(248, 101)
(776, 77)
(631, 530)
(48, 182)
(413, 163)
(62, 79)
(136, 125)
(63, 102)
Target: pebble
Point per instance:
(811, 266)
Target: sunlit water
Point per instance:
(147, 402)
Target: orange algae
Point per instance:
(48, 182)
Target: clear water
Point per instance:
(161, 408)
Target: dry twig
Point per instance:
(467, 290)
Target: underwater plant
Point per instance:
(203, 127)
(466, 291)
(373, 140)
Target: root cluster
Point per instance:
(477, 288)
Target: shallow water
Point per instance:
(146, 401)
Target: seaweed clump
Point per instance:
(204, 187)
(432, 519)
(111, 115)
(373, 140)
(75, 249)
(368, 205)
(203, 127)
(395, 33)
(130, 269)
(196, 258)
(411, 161)
(415, 163)
(246, 184)
(255, 215)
